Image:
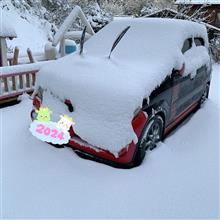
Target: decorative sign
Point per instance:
(48, 131)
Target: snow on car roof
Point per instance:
(6, 29)
(106, 92)
(153, 36)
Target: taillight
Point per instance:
(36, 102)
(38, 97)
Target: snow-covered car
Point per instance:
(158, 72)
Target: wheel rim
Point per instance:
(152, 136)
(204, 96)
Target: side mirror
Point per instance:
(178, 73)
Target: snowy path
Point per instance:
(179, 179)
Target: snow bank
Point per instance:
(6, 29)
(106, 92)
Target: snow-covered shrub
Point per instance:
(112, 7)
(97, 17)
(215, 48)
(57, 10)
(134, 7)
(26, 7)
(152, 6)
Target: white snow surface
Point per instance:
(177, 180)
(6, 29)
(106, 92)
(195, 58)
(22, 68)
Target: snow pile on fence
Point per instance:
(106, 92)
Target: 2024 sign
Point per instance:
(51, 132)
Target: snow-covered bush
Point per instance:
(97, 17)
(134, 7)
(113, 7)
(215, 49)
(26, 7)
(56, 10)
(152, 6)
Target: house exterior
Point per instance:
(211, 9)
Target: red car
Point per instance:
(152, 83)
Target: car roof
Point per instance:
(144, 35)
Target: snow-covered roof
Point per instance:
(182, 16)
(106, 92)
(199, 2)
(6, 29)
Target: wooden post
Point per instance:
(62, 47)
(21, 82)
(28, 84)
(15, 58)
(5, 81)
(3, 52)
(14, 87)
(33, 78)
(30, 55)
(1, 92)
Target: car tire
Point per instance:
(151, 135)
(204, 96)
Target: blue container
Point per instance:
(70, 46)
(70, 49)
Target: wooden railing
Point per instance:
(14, 84)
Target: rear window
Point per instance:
(199, 41)
(187, 45)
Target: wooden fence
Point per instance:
(14, 84)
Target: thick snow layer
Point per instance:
(195, 58)
(22, 68)
(106, 92)
(6, 28)
(177, 180)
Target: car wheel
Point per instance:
(204, 96)
(151, 135)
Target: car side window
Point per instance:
(201, 70)
(177, 78)
(199, 41)
(187, 45)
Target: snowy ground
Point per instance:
(179, 179)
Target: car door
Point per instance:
(182, 88)
(182, 93)
(199, 81)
